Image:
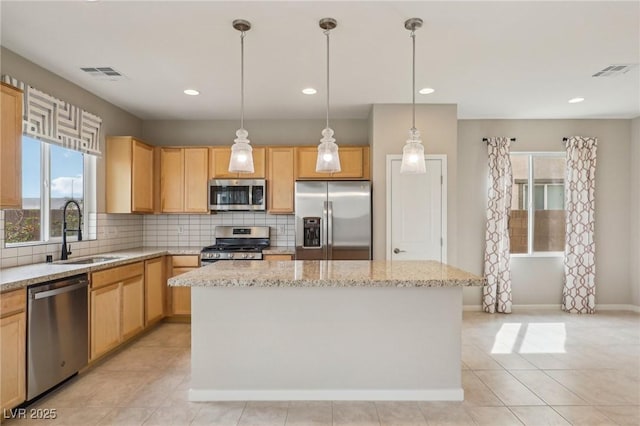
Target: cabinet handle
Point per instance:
(397, 250)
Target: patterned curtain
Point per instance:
(496, 295)
(57, 122)
(578, 295)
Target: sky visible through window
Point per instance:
(66, 171)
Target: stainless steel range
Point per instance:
(236, 243)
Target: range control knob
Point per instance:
(245, 255)
(217, 255)
(251, 256)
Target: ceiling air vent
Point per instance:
(615, 70)
(104, 73)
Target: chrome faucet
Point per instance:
(66, 252)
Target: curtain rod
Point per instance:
(487, 140)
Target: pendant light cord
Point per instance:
(242, 80)
(326, 32)
(413, 38)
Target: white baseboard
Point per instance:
(618, 307)
(599, 307)
(200, 395)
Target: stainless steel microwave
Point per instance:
(237, 194)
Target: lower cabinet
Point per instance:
(116, 307)
(13, 338)
(180, 297)
(154, 284)
(278, 257)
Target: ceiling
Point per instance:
(493, 59)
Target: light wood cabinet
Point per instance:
(116, 307)
(195, 179)
(183, 180)
(129, 175)
(132, 306)
(172, 180)
(180, 299)
(280, 179)
(105, 326)
(11, 148)
(13, 337)
(154, 284)
(354, 163)
(278, 257)
(219, 164)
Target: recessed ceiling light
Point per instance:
(191, 92)
(426, 90)
(575, 100)
(309, 91)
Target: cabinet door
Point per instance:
(354, 163)
(280, 179)
(12, 360)
(196, 170)
(278, 257)
(142, 178)
(105, 319)
(181, 296)
(154, 284)
(132, 306)
(172, 180)
(219, 164)
(11, 148)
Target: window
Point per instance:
(51, 175)
(537, 223)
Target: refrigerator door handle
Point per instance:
(329, 230)
(323, 228)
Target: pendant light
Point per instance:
(241, 157)
(328, 160)
(413, 151)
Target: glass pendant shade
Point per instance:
(328, 160)
(413, 155)
(241, 160)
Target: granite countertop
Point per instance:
(280, 250)
(22, 276)
(340, 273)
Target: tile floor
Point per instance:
(531, 367)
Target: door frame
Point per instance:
(443, 161)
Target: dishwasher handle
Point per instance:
(66, 289)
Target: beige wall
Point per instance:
(634, 164)
(539, 280)
(389, 131)
(261, 132)
(115, 121)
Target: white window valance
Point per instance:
(58, 122)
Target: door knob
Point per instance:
(397, 250)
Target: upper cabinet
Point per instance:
(354, 162)
(129, 175)
(219, 164)
(280, 179)
(183, 180)
(11, 148)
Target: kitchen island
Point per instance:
(326, 330)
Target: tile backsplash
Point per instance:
(120, 232)
(198, 230)
(113, 232)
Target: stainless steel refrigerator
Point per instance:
(333, 220)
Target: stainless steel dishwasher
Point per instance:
(57, 332)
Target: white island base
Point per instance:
(326, 343)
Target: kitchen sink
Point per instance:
(89, 260)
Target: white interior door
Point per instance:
(416, 211)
